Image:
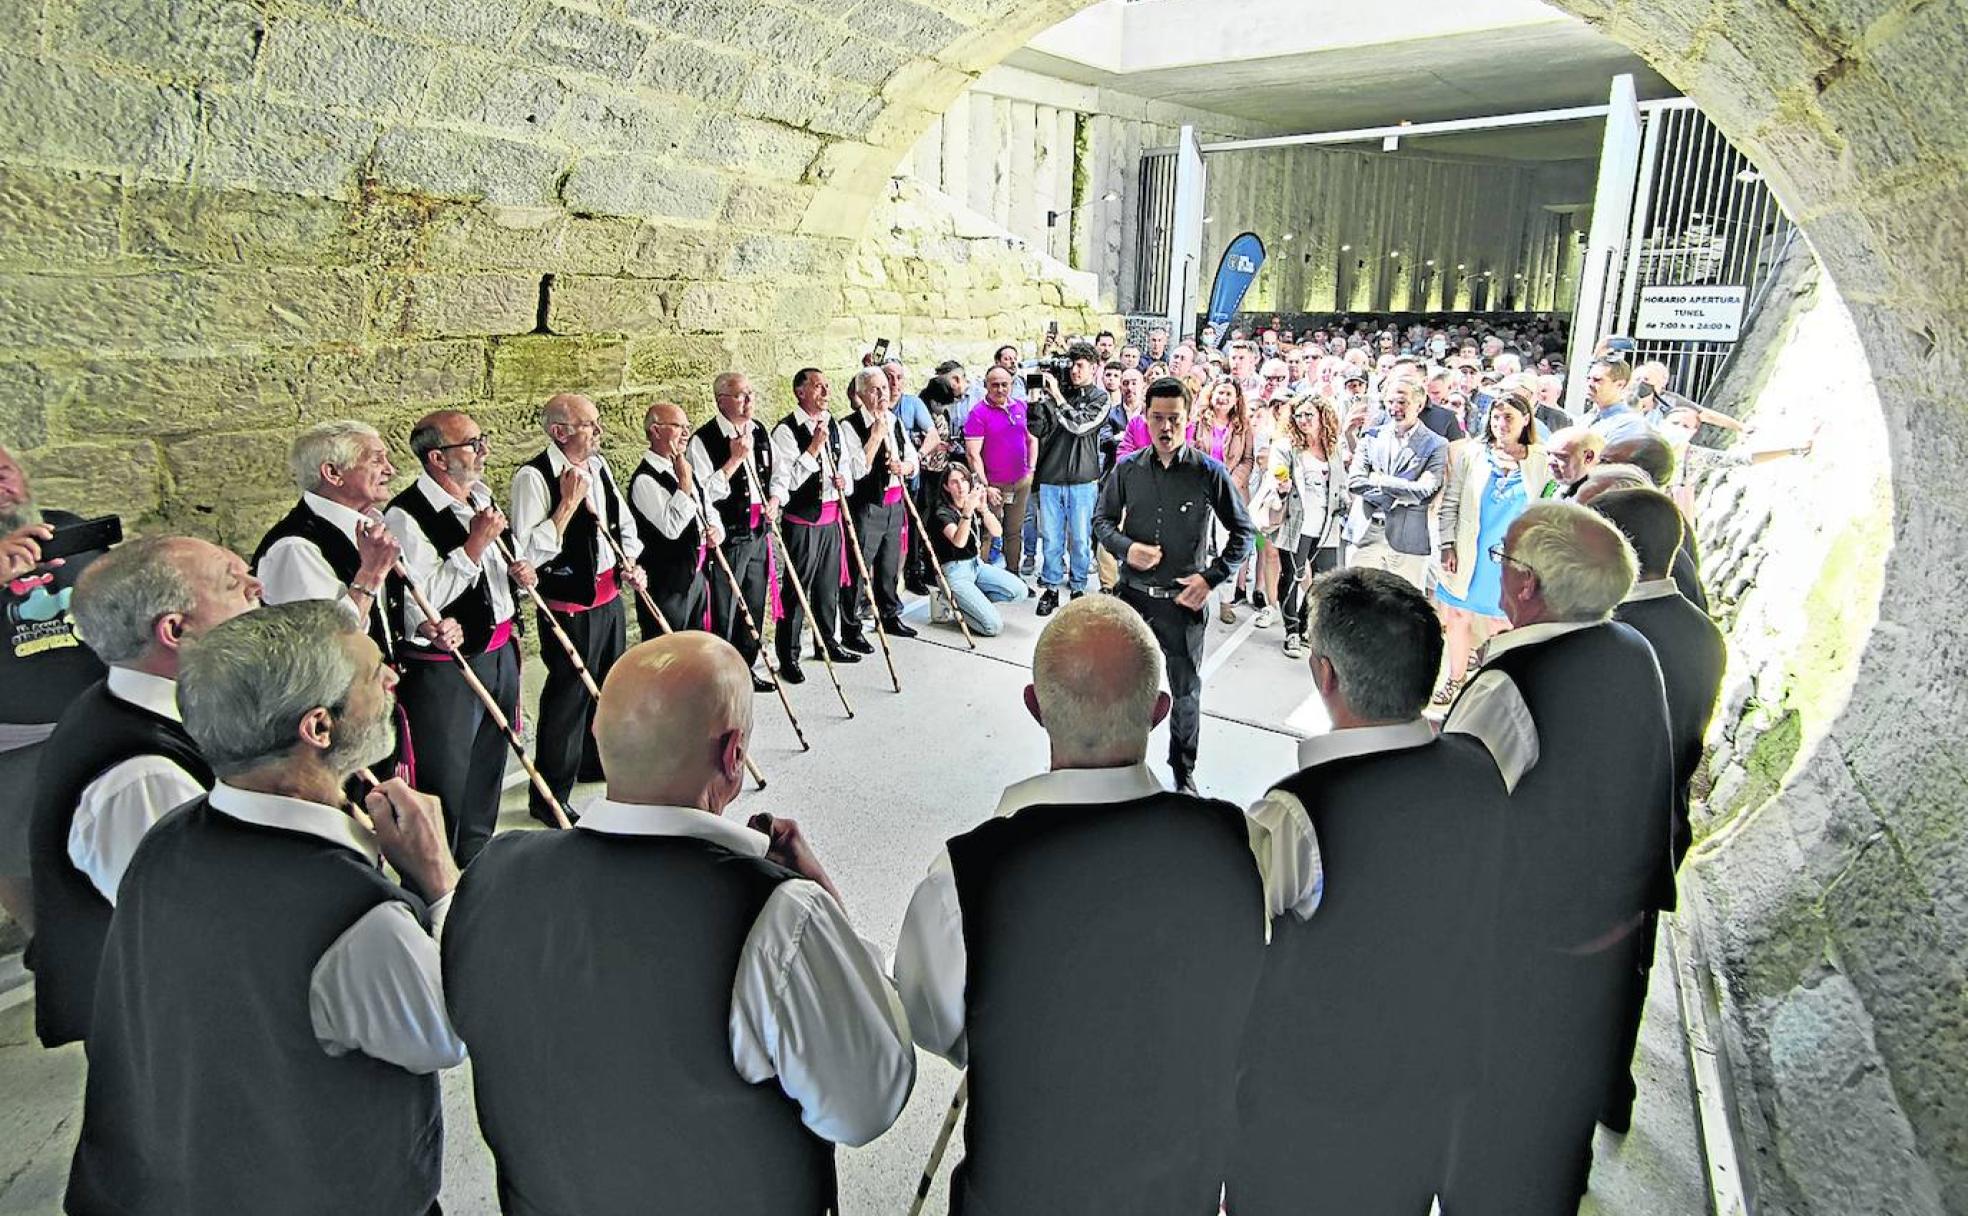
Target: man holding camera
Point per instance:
(1068, 424)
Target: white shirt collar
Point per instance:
(1531, 635)
(1364, 741)
(1078, 785)
(158, 694)
(557, 460)
(1652, 589)
(344, 518)
(726, 428)
(659, 462)
(331, 824)
(437, 495)
(611, 818)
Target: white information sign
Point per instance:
(1707, 314)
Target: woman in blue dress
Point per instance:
(1491, 480)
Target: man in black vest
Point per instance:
(269, 1015)
(44, 666)
(1092, 951)
(805, 447)
(119, 759)
(1571, 707)
(720, 1025)
(886, 458)
(449, 530)
(560, 499)
(1359, 1043)
(1692, 657)
(667, 506)
(1652, 456)
(731, 456)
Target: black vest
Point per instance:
(1692, 656)
(207, 1090)
(735, 508)
(472, 609)
(670, 562)
(98, 732)
(1113, 953)
(803, 498)
(570, 576)
(629, 946)
(868, 489)
(342, 557)
(1587, 846)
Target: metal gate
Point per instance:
(1153, 233)
(1702, 216)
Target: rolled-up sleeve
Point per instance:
(812, 1006)
(535, 538)
(379, 990)
(1287, 853)
(1492, 711)
(931, 963)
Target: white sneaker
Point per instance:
(1294, 646)
(1267, 616)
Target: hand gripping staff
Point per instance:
(861, 564)
(485, 697)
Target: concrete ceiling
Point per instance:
(1463, 75)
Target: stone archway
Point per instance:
(222, 217)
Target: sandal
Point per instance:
(1446, 695)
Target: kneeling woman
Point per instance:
(961, 514)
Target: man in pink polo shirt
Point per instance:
(1002, 453)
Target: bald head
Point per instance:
(1096, 679)
(667, 428)
(1650, 453)
(674, 722)
(1611, 477)
(1573, 450)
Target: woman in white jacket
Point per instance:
(1304, 491)
(1491, 480)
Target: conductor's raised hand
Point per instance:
(1195, 591)
(410, 831)
(788, 847)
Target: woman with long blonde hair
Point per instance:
(1307, 472)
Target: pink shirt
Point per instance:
(1007, 444)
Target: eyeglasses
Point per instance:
(591, 427)
(676, 426)
(1498, 556)
(476, 443)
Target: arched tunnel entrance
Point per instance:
(225, 218)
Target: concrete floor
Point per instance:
(878, 795)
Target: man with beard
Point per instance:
(269, 1015)
(43, 666)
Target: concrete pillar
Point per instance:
(1021, 213)
(982, 152)
(954, 128)
(1065, 157)
(926, 158)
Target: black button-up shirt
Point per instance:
(1144, 502)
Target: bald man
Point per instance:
(666, 502)
(449, 530)
(683, 962)
(1572, 451)
(562, 502)
(1091, 952)
(731, 455)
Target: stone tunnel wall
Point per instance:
(219, 218)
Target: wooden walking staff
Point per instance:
(491, 705)
(942, 1146)
(861, 564)
(751, 627)
(915, 513)
(806, 606)
(553, 624)
(662, 623)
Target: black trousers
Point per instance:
(814, 553)
(680, 600)
(879, 529)
(1524, 1143)
(1297, 567)
(1371, 1155)
(748, 557)
(1179, 632)
(460, 750)
(562, 736)
(1616, 1111)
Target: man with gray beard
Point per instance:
(43, 666)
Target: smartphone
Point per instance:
(1052, 334)
(881, 349)
(85, 537)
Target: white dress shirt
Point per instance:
(118, 807)
(670, 512)
(1298, 866)
(293, 569)
(810, 1004)
(904, 449)
(792, 465)
(444, 578)
(931, 960)
(379, 989)
(535, 538)
(1652, 589)
(711, 481)
(1491, 709)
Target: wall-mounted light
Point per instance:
(1749, 176)
(1462, 265)
(1394, 253)
(1209, 219)
(1053, 217)
(1288, 236)
(1429, 262)
(1346, 249)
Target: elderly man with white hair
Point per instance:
(1571, 706)
(270, 1015)
(882, 461)
(120, 759)
(720, 1026)
(1091, 952)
